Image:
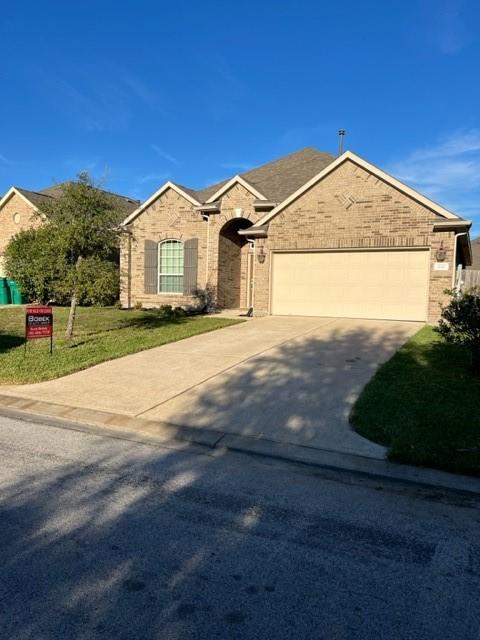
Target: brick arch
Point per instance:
(223, 218)
(232, 257)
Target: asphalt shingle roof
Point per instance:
(128, 205)
(280, 178)
(35, 197)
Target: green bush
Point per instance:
(460, 323)
(32, 260)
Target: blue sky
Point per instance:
(141, 92)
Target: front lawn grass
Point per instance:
(100, 334)
(425, 406)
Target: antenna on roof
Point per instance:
(341, 136)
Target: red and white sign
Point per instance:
(38, 322)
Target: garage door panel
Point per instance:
(361, 284)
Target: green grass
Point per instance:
(100, 334)
(425, 406)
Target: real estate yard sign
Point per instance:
(39, 324)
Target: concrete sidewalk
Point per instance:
(286, 379)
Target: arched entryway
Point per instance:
(234, 265)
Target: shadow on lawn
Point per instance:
(8, 342)
(425, 405)
(151, 320)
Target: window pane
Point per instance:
(171, 284)
(171, 264)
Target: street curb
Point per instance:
(203, 440)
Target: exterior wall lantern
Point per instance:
(440, 254)
(261, 255)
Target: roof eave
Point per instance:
(254, 232)
(264, 205)
(211, 207)
(447, 225)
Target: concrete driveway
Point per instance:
(288, 379)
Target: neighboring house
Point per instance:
(18, 209)
(308, 234)
(475, 255)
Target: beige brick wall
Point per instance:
(351, 208)
(172, 216)
(8, 224)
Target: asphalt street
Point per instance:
(113, 539)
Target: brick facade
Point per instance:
(349, 208)
(172, 216)
(15, 215)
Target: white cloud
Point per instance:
(448, 171)
(165, 155)
(3, 159)
(152, 177)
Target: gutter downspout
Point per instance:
(457, 235)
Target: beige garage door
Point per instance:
(390, 285)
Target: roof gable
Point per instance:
(227, 185)
(349, 155)
(27, 196)
(168, 185)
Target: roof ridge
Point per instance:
(288, 155)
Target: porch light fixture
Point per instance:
(261, 255)
(440, 253)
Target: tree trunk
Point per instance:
(476, 359)
(71, 318)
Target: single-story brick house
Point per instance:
(19, 208)
(308, 234)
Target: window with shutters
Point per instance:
(170, 266)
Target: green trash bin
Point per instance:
(15, 293)
(4, 292)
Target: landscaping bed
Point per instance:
(100, 334)
(424, 405)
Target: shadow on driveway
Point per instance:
(300, 392)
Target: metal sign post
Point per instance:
(39, 324)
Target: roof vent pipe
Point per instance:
(341, 135)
